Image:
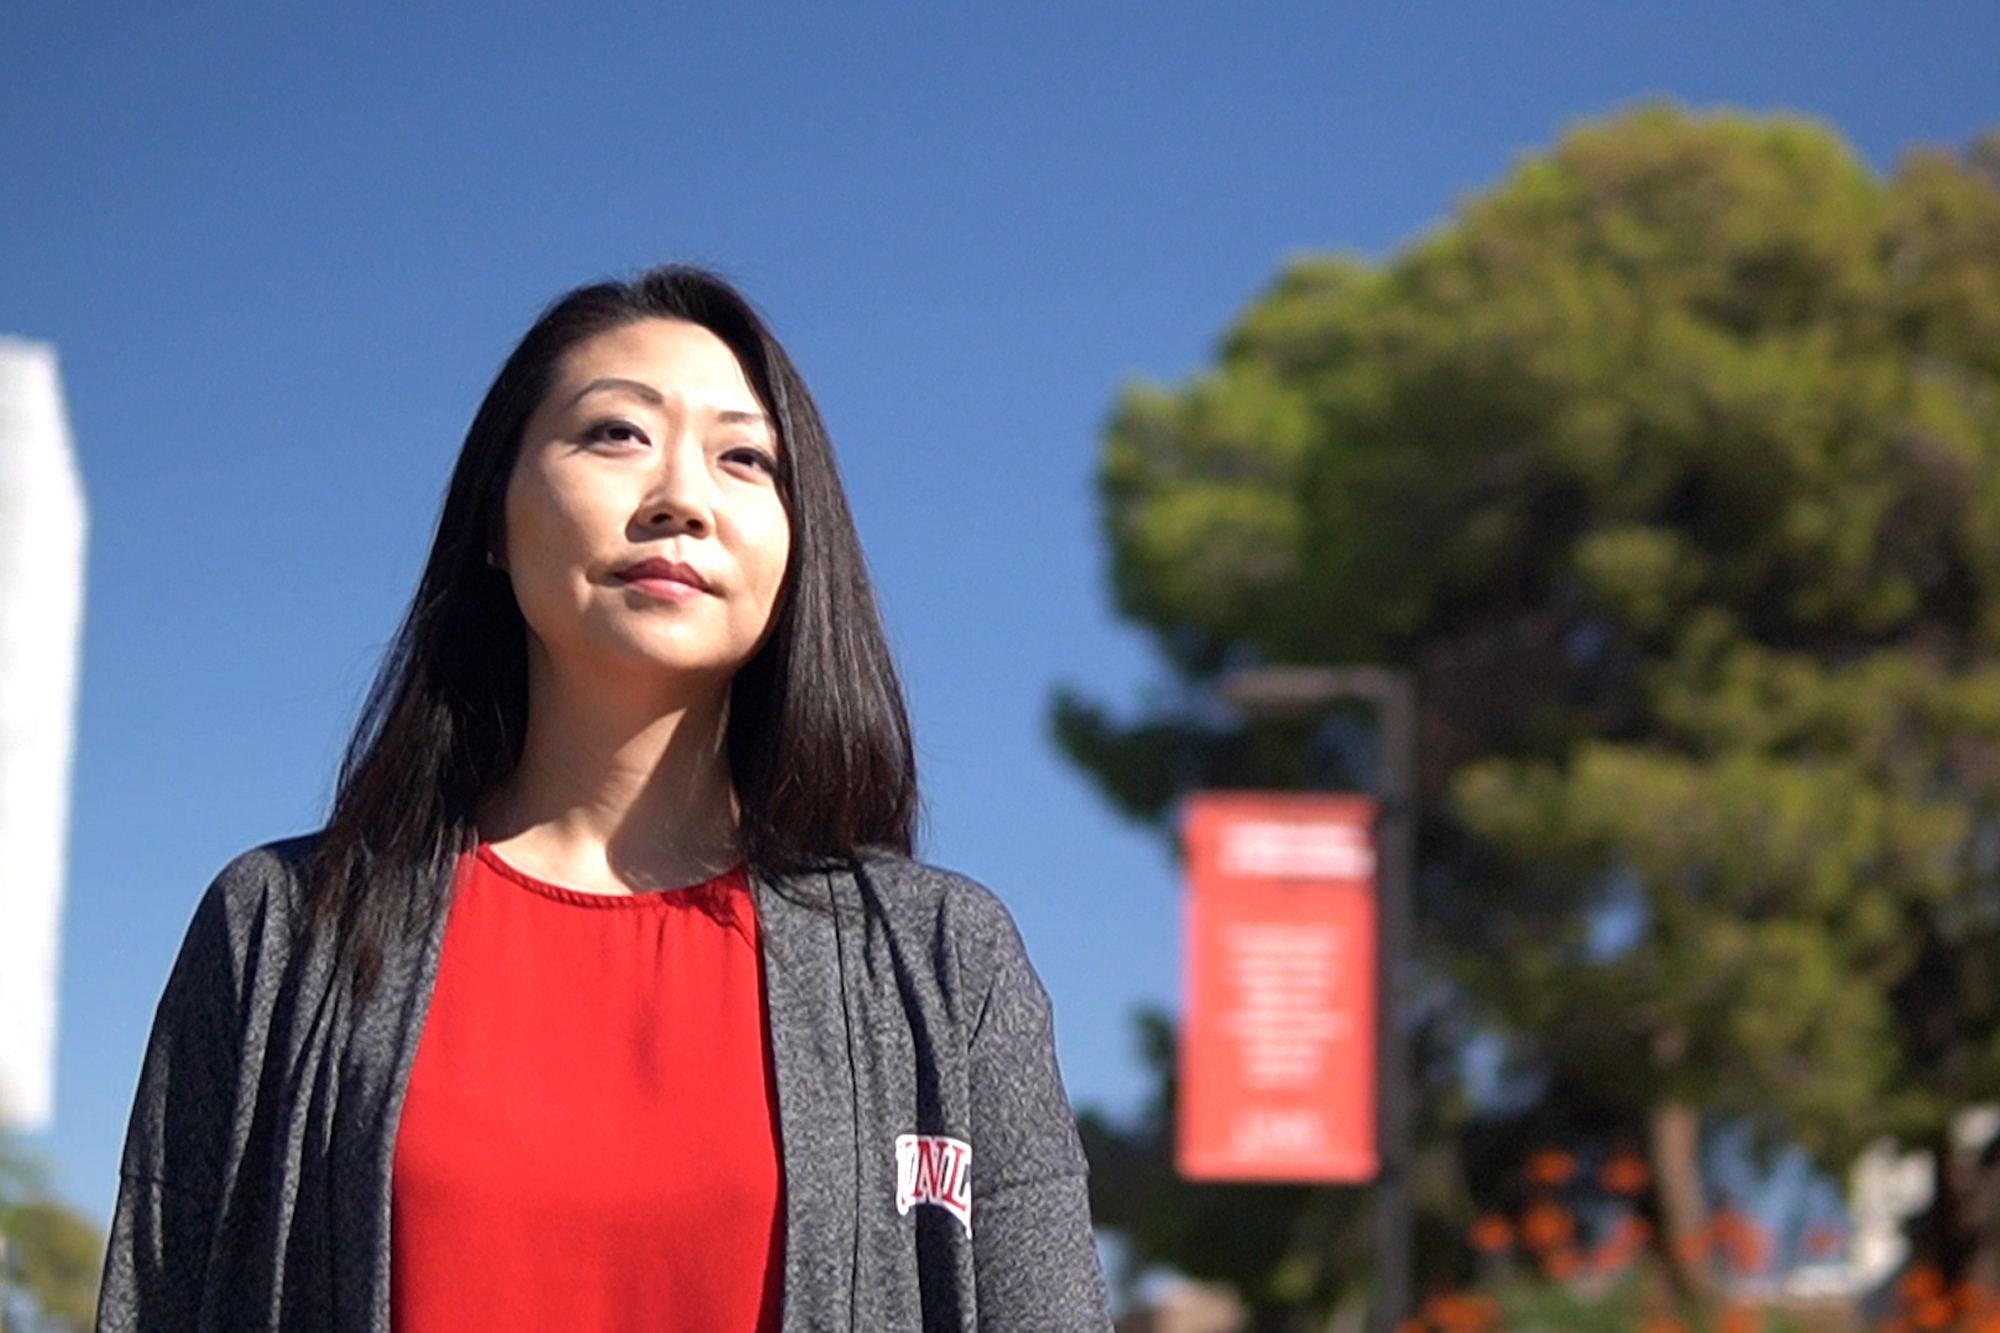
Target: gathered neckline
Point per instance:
(733, 879)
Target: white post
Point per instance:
(41, 615)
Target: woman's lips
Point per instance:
(664, 578)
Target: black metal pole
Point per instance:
(1395, 852)
(1278, 691)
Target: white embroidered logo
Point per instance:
(931, 1168)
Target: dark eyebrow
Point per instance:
(638, 390)
(647, 393)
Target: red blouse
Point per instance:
(589, 1140)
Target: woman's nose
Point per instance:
(678, 499)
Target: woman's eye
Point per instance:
(615, 432)
(752, 456)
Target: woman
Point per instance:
(608, 997)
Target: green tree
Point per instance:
(1670, 466)
(1292, 1252)
(48, 1251)
(1281, 1248)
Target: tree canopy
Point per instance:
(48, 1252)
(1670, 467)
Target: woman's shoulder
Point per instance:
(918, 891)
(269, 877)
(255, 902)
(243, 934)
(919, 910)
(932, 906)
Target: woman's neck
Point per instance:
(617, 791)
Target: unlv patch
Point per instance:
(931, 1168)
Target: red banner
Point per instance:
(1277, 1051)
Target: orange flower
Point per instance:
(1624, 1172)
(1935, 1312)
(1919, 1284)
(1613, 1252)
(1621, 1244)
(1547, 1226)
(1634, 1229)
(1561, 1263)
(1694, 1245)
(1551, 1167)
(1739, 1319)
(1491, 1234)
(1969, 1296)
(1460, 1312)
(1744, 1244)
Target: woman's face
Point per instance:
(644, 531)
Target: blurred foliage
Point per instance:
(48, 1251)
(1670, 467)
(1292, 1252)
(1920, 1302)
(1275, 1245)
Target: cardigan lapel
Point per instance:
(379, 1046)
(801, 922)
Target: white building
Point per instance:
(41, 614)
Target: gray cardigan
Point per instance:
(254, 1192)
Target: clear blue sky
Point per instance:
(281, 248)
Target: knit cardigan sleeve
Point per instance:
(1034, 1258)
(179, 1146)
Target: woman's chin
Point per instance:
(671, 671)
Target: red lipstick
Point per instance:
(665, 578)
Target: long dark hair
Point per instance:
(818, 739)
